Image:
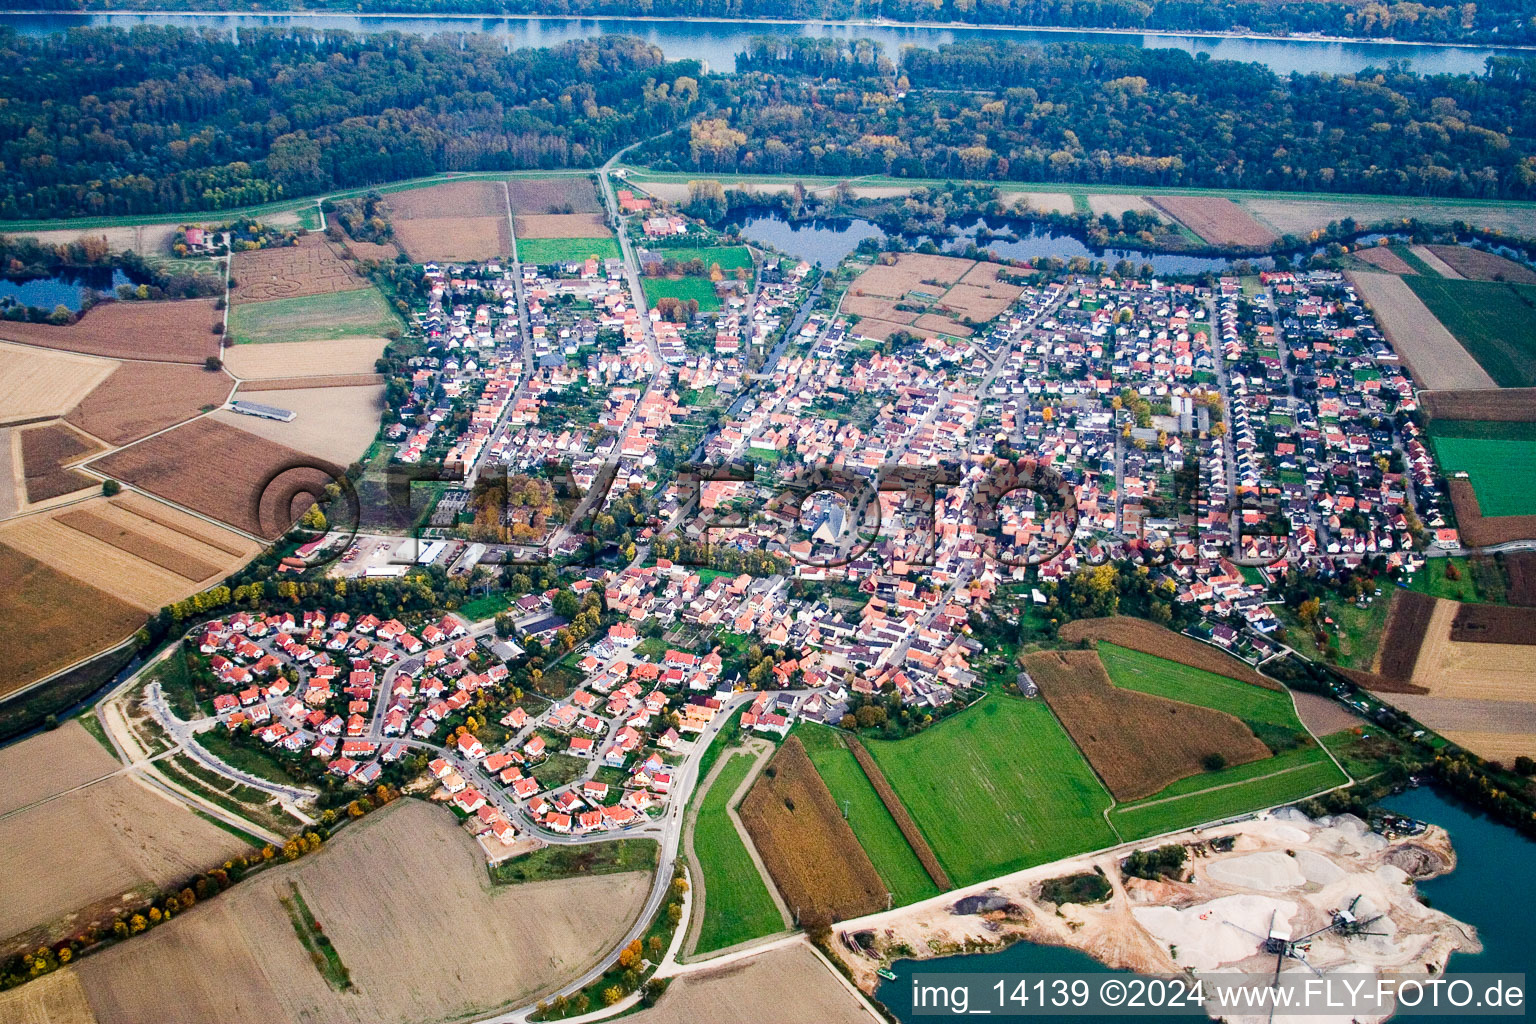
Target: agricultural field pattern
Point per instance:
(571, 570)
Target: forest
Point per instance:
(1501, 21)
(153, 119)
(1119, 115)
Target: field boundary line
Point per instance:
(905, 823)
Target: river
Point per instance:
(716, 42)
(1492, 889)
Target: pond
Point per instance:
(717, 42)
(830, 241)
(67, 288)
(1491, 889)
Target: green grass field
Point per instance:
(700, 289)
(561, 250)
(1494, 320)
(1149, 674)
(997, 788)
(872, 824)
(1500, 459)
(737, 906)
(1480, 582)
(1276, 780)
(362, 312)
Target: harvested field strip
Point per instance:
(1177, 681)
(1495, 321)
(342, 380)
(872, 823)
(997, 788)
(1150, 638)
(1434, 263)
(1426, 346)
(51, 620)
(552, 195)
(1517, 405)
(1386, 259)
(1138, 743)
(1493, 624)
(96, 563)
(561, 225)
(335, 357)
(36, 384)
(1282, 779)
(166, 557)
(809, 850)
(1218, 220)
(1404, 634)
(55, 998)
(1477, 265)
(180, 331)
(737, 905)
(181, 523)
(45, 453)
(223, 472)
(142, 398)
(898, 811)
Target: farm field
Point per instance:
(1148, 673)
(872, 824)
(1150, 638)
(1281, 779)
(384, 252)
(337, 424)
(742, 908)
(542, 251)
(810, 851)
(1136, 742)
(35, 383)
(328, 317)
(140, 398)
(1013, 790)
(1478, 530)
(1477, 265)
(1054, 202)
(46, 450)
(397, 893)
(1493, 624)
(561, 225)
(699, 289)
(1406, 622)
(1300, 216)
(457, 220)
(55, 998)
(1494, 320)
(1521, 581)
(178, 332)
(1433, 263)
(1383, 257)
(348, 355)
(1119, 206)
(134, 559)
(309, 268)
(951, 290)
(219, 470)
(789, 983)
(51, 620)
(1218, 220)
(73, 758)
(1498, 457)
(1503, 405)
(566, 194)
(341, 380)
(1426, 346)
(85, 850)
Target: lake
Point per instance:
(716, 42)
(1492, 889)
(66, 289)
(828, 241)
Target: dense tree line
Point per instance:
(1126, 116)
(100, 121)
(1493, 21)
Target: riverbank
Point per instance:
(856, 23)
(1299, 870)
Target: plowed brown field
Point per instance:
(179, 332)
(1150, 638)
(1136, 742)
(141, 398)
